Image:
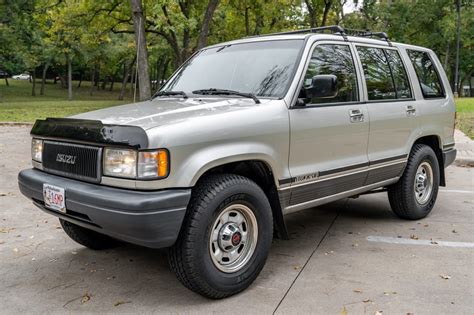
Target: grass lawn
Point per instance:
(17, 104)
(465, 115)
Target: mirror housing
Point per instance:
(322, 86)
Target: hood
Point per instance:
(163, 111)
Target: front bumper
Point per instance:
(152, 219)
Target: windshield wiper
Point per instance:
(170, 93)
(226, 92)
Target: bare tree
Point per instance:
(142, 52)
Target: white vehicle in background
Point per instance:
(23, 76)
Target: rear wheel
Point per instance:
(86, 237)
(414, 195)
(226, 236)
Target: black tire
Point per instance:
(190, 257)
(402, 195)
(86, 237)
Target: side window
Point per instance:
(428, 77)
(377, 73)
(399, 73)
(336, 60)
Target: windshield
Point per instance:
(259, 68)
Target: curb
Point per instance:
(14, 123)
(464, 162)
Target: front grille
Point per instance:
(72, 160)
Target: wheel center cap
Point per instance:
(236, 238)
(229, 237)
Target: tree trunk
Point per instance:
(69, 77)
(80, 79)
(247, 20)
(142, 52)
(312, 14)
(446, 58)
(92, 80)
(204, 33)
(43, 77)
(126, 75)
(163, 72)
(132, 80)
(6, 81)
(327, 8)
(33, 88)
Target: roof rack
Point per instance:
(337, 30)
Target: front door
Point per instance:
(329, 136)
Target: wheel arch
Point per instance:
(434, 142)
(261, 172)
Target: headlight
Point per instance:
(136, 164)
(120, 163)
(37, 150)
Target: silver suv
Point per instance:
(242, 134)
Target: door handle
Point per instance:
(356, 115)
(411, 110)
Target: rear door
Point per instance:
(329, 136)
(392, 110)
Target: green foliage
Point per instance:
(98, 35)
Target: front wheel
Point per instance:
(414, 195)
(86, 237)
(226, 236)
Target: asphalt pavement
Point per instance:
(353, 256)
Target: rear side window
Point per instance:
(400, 77)
(336, 60)
(428, 77)
(377, 73)
(385, 74)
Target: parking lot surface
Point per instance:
(353, 256)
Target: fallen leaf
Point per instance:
(390, 293)
(3, 194)
(355, 245)
(426, 225)
(2, 242)
(413, 237)
(122, 302)
(33, 259)
(434, 242)
(367, 301)
(73, 252)
(15, 250)
(445, 277)
(85, 298)
(357, 291)
(344, 311)
(6, 230)
(410, 313)
(378, 313)
(297, 267)
(413, 229)
(454, 231)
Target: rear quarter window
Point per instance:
(427, 74)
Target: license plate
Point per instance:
(54, 197)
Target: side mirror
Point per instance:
(322, 86)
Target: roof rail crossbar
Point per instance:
(335, 29)
(367, 33)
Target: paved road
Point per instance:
(342, 256)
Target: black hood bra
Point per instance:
(91, 131)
